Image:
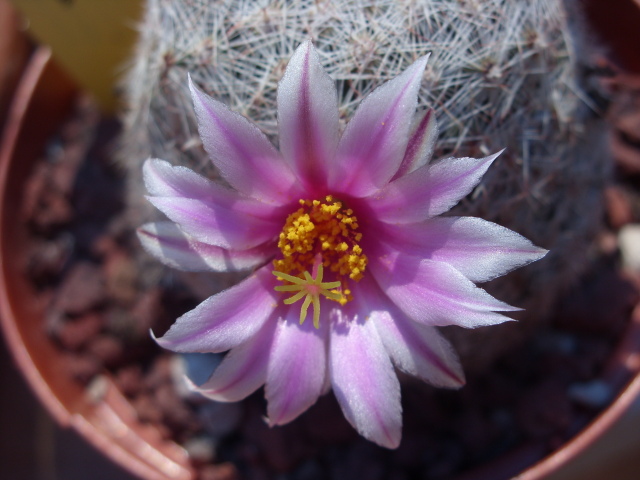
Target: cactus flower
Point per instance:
(352, 270)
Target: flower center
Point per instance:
(321, 234)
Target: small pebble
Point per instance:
(82, 289)
(76, 333)
(629, 240)
(594, 394)
(201, 449)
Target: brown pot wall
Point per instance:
(101, 414)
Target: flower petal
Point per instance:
(243, 154)
(422, 140)
(416, 349)
(166, 242)
(434, 293)
(375, 140)
(243, 370)
(479, 249)
(207, 211)
(363, 378)
(217, 226)
(297, 366)
(420, 350)
(165, 180)
(226, 319)
(429, 190)
(308, 116)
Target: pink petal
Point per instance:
(433, 293)
(420, 350)
(165, 180)
(375, 140)
(209, 212)
(243, 370)
(226, 319)
(166, 242)
(429, 190)
(243, 154)
(479, 249)
(216, 226)
(416, 349)
(308, 116)
(297, 366)
(363, 378)
(422, 140)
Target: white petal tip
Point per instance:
(491, 158)
(425, 58)
(154, 338)
(192, 387)
(541, 253)
(390, 443)
(161, 341)
(196, 92)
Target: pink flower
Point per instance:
(344, 223)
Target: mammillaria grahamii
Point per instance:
(348, 225)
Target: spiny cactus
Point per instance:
(502, 73)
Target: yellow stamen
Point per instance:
(321, 233)
(310, 288)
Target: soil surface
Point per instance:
(529, 403)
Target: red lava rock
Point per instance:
(45, 206)
(222, 471)
(121, 324)
(104, 245)
(160, 372)
(82, 124)
(618, 207)
(147, 409)
(82, 289)
(544, 410)
(49, 259)
(74, 334)
(129, 380)
(64, 173)
(53, 212)
(177, 415)
(121, 277)
(627, 156)
(147, 310)
(82, 367)
(107, 349)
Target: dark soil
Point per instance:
(530, 402)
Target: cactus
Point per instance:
(502, 73)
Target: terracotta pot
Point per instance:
(101, 413)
